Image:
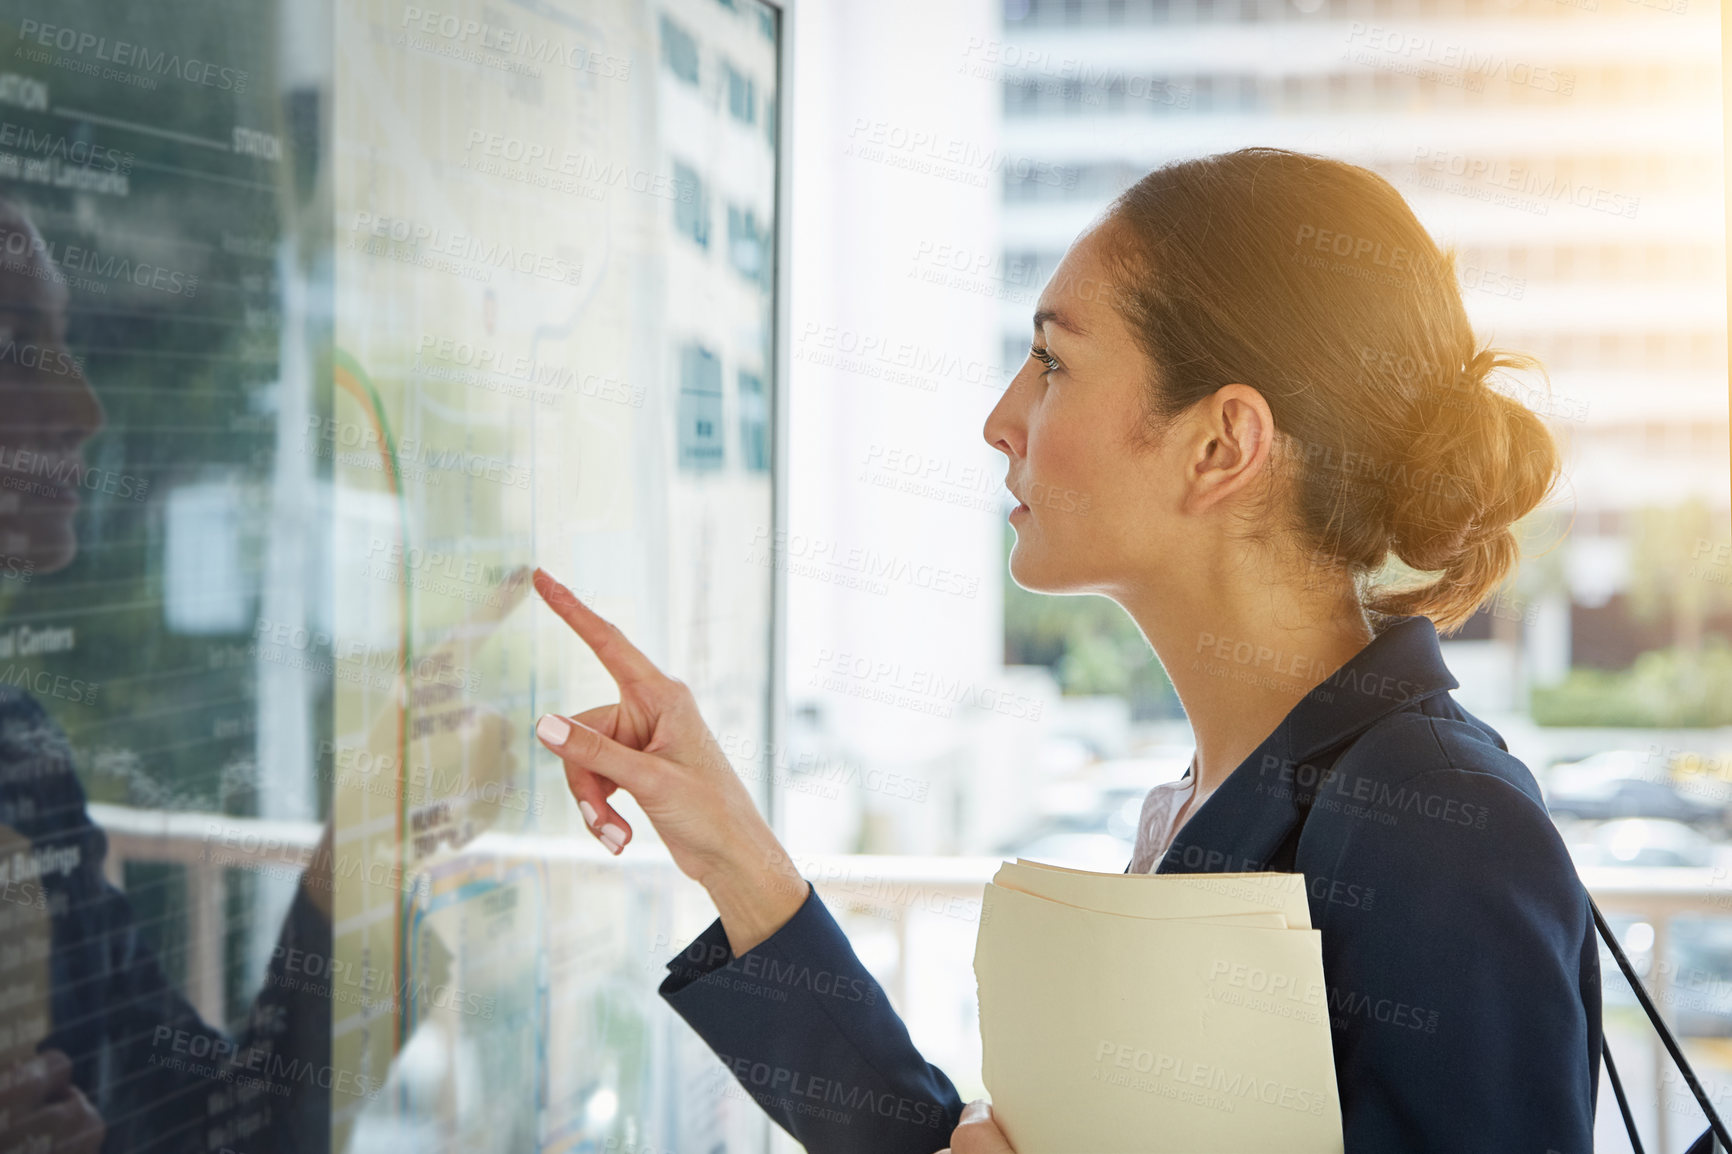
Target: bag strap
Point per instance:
(1623, 1102)
(1671, 1043)
(1287, 852)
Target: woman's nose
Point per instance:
(1005, 426)
(90, 414)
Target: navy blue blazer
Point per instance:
(1462, 971)
(163, 1079)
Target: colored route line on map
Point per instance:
(353, 379)
(465, 888)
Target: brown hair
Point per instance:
(1312, 281)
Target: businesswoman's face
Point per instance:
(1096, 510)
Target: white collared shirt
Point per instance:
(1159, 821)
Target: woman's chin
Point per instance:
(41, 546)
(1032, 572)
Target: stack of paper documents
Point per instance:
(1169, 1013)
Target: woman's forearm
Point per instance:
(809, 1033)
(755, 895)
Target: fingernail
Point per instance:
(553, 729)
(613, 837)
(588, 813)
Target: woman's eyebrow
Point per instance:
(1041, 316)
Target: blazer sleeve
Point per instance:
(811, 1036)
(1463, 1005)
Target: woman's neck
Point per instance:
(1240, 664)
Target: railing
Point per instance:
(890, 886)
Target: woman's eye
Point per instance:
(1044, 358)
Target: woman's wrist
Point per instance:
(755, 898)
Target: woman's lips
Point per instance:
(39, 485)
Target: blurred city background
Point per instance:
(945, 156)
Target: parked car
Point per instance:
(1624, 784)
(1692, 986)
(1639, 842)
(1089, 821)
(1706, 776)
(1696, 981)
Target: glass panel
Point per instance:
(319, 326)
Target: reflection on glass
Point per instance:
(319, 325)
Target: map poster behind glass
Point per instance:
(554, 328)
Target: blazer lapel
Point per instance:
(1252, 813)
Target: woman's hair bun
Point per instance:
(1479, 461)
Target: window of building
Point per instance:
(700, 409)
(754, 423)
(748, 245)
(742, 95)
(691, 205)
(679, 50)
(1020, 97)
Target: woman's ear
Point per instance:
(1233, 435)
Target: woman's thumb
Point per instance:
(589, 749)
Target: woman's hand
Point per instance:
(41, 1109)
(469, 734)
(655, 746)
(977, 1133)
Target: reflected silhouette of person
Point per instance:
(98, 1050)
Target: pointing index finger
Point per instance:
(619, 656)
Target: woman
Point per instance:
(1258, 367)
(102, 1055)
